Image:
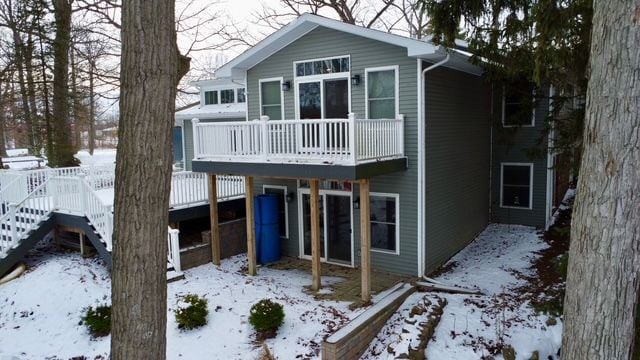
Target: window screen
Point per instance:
(384, 223)
(381, 94)
(271, 93)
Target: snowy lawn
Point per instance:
(99, 157)
(479, 326)
(40, 311)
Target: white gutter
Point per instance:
(422, 190)
(551, 169)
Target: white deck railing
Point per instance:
(191, 188)
(329, 141)
(173, 255)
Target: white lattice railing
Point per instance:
(333, 141)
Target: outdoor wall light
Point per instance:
(355, 80)
(289, 198)
(286, 86)
(356, 203)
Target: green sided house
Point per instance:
(380, 147)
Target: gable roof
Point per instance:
(305, 23)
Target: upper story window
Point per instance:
(242, 95)
(271, 99)
(518, 104)
(323, 66)
(227, 96)
(210, 97)
(382, 92)
(516, 185)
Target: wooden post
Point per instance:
(365, 239)
(251, 225)
(213, 217)
(81, 244)
(315, 235)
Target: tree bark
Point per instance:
(22, 84)
(47, 113)
(604, 260)
(150, 70)
(62, 146)
(36, 133)
(92, 108)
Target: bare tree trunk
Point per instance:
(36, 134)
(603, 283)
(75, 103)
(63, 149)
(150, 70)
(45, 90)
(3, 145)
(26, 111)
(92, 108)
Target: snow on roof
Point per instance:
(219, 111)
(305, 23)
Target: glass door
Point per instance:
(336, 241)
(338, 224)
(309, 108)
(306, 225)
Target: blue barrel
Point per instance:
(267, 228)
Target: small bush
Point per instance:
(266, 316)
(194, 312)
(98, 320)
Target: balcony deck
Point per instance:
(348, 149)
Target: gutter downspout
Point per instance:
(422, 189)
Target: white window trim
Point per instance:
(281, 80)
(530, 165)
(286, 204)
(396, 69)
(203, 100)
(396, 197)
(504, 110)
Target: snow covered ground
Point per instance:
(476, 326)
(40, 311)
(99, 157)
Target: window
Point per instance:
(384, 223)
(210, 97)
(226, 96)
(516, 184)
(382, 92)
(242, 96)
(323, 66)
(518, 104)
(283, 219)
(271, 99)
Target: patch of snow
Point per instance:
(471, 324)
(99, 157)
(17, 152)
(40, 311)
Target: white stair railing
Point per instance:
(174, 249)
(23, 217)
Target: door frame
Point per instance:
(323, 193)
(319, 78)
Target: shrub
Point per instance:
(194, 312)
(98, 320)
(266, 316)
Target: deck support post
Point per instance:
(213, 217)
(251, 225)
(365, 240)
(315, 234)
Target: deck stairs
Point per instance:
(32, 203)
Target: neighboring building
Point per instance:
(220, 100)
(361, 110)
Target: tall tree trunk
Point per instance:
(603, 282)
(47, 112)
(150, 70)
(3, 101)
(62, 149)
(92, 108)
(75, 102)
(36, 132)
(24, 97)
